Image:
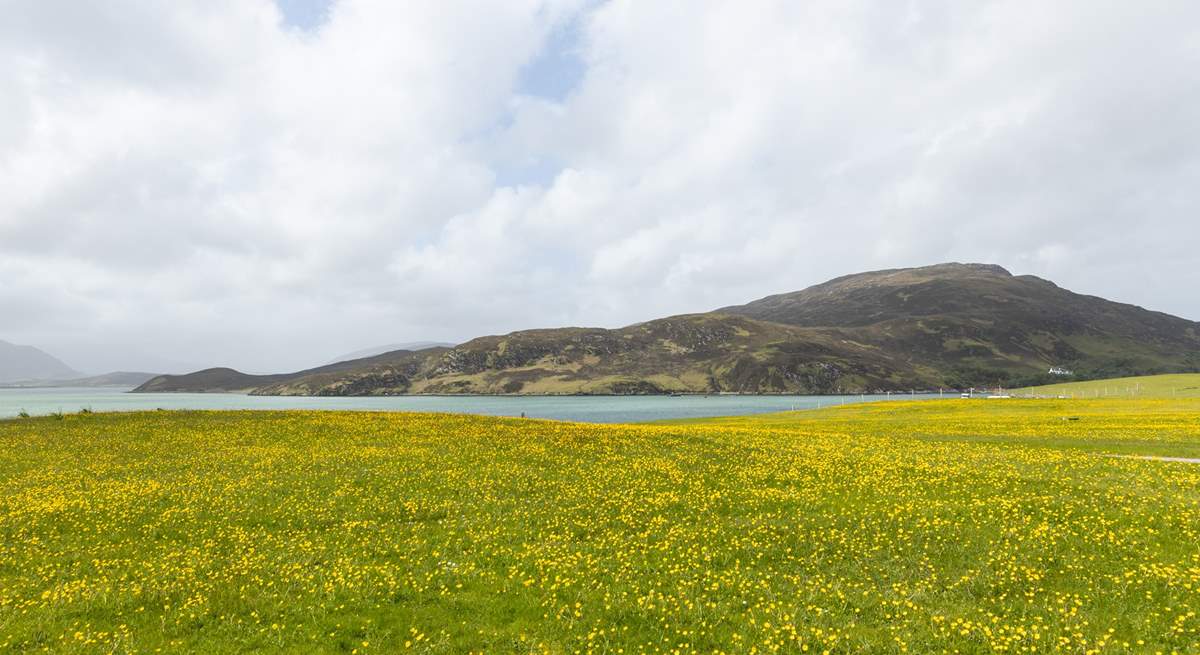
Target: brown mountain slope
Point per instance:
(953, 325)
(694, 353)
(967, 318)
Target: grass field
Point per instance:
(901, 527)
(1124, 426)
(1184, 385)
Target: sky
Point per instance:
(265, 186)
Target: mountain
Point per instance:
(220, 380)
(117, 379)
(701, 352)
(114, 379)
(19, 363)
(974, 321)
(379, 350)
(949, 325)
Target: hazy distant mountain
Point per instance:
(116, 379)
(28, 363)
(103, 357)
(949, 325)
(379, 350)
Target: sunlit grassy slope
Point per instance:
(1185, 385)
(956, 526)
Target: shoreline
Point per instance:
(690, 394)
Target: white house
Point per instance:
(1058, 370)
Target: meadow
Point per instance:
(1177, 385)
(898, 527)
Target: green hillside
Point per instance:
(1143, 425)
(1186, 385)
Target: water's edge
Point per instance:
(598, 409)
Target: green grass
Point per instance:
(901, 527)
(1183, 385)
(1120, 426)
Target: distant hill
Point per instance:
(20, 363)
(219, 380)
(210, 380)
(949, 325)
(118, 379)
(379, 350)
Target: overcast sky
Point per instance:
(261, 185)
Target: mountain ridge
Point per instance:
(27, 364)
(392, 347)
(115, 379)
(947, 325)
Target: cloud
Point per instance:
(205, 181)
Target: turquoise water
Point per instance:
(594, 409)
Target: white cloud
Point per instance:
(202, 181)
